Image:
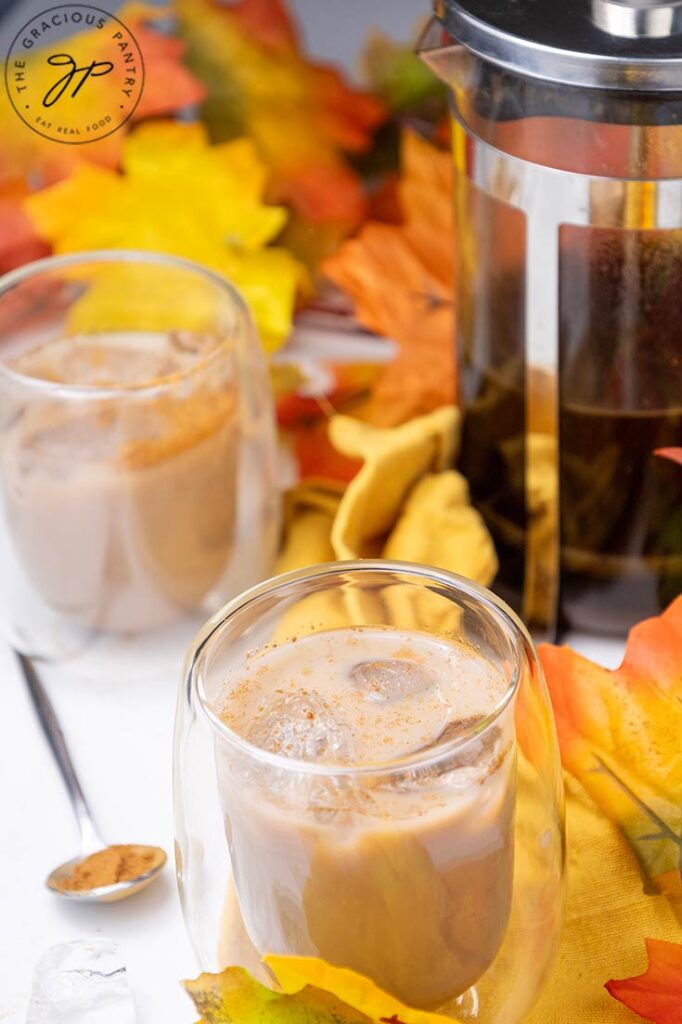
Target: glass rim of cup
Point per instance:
(496, 610)
(146, 389)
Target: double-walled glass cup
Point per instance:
(137, 458)
(437, 875)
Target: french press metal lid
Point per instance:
(608, 44)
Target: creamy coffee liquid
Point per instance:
(122, 511)
(404, 875)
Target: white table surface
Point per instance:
(120, 737)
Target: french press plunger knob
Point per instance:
(637, 19)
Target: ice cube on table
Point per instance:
(82, 982)
(301, 726)
(390, 680)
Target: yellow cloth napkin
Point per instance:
(403, 504)
(608, 916)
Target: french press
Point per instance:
(568, 155)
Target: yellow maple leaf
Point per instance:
(182, 196)
(234, 997)
(294, 973)
(312, 992)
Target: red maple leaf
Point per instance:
(655, 995)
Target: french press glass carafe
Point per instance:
(568, 154)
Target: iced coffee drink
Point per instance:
(121, 507)
(380, 836)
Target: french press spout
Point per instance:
(567, 145)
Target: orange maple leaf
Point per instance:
(401, 279)
(318, 459)
(305, 418)
(19, 242)
(619, 733)
(268, 21)
(655, 995)
(674, 454)
(169, 85)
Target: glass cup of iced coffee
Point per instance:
(137, 463)
(367, 781)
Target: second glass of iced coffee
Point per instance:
(367, 779)
(137, 458)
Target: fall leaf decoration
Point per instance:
(296, 973)
(305, 417)
(655, 995)
(674, 454)
(400, 278)
(313, 992)
(234, 997)
(317, 458)
(302, 116)
(182, 196)
(397, 74)
(19, 242)
(169, 85)
(393, 70)
(619, 733)
(268, 21)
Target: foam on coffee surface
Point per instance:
(361, 695)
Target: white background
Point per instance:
(120, 736)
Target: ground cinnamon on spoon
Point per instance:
(111, 865)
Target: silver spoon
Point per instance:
(91, 841)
